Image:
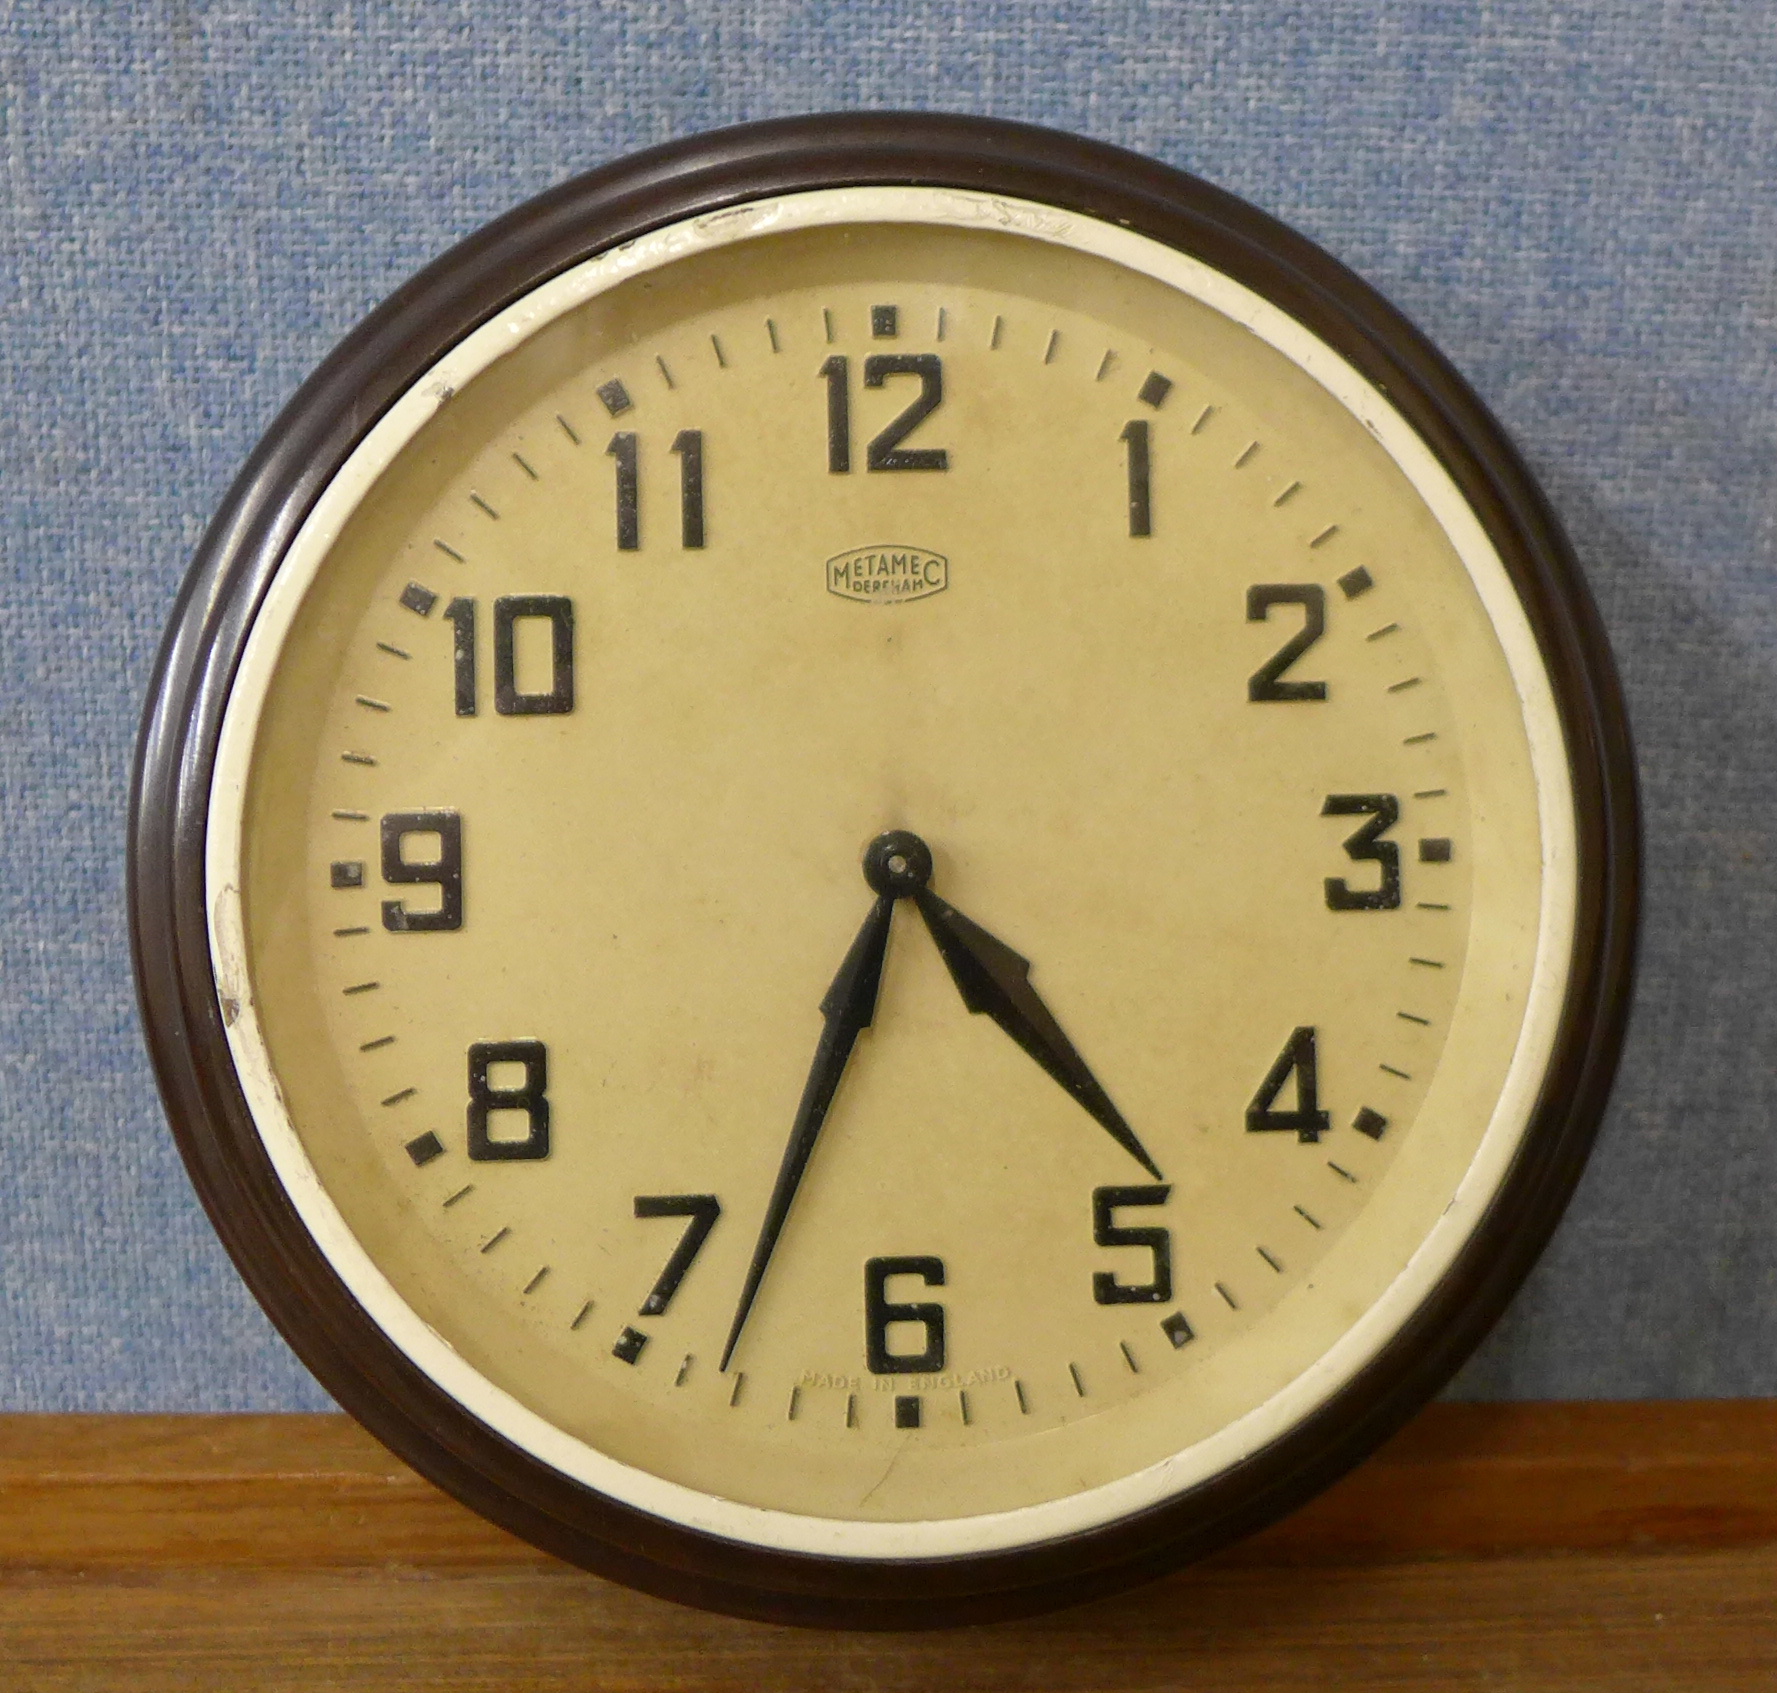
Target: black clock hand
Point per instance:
(995, 980)
(848, 1009)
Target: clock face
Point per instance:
(891, 875)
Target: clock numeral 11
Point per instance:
(626, 449)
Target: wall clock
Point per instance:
(884, 870)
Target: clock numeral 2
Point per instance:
(703, 1209)
(1266, 683)
(880, 1311)
(509, 611)
(885, 451)
(445, 871)
(1298, 1059)
(531, 1098)
(1107, 1231)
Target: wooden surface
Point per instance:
(1499, 1547)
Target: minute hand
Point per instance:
(995, 981)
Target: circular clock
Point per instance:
(884, 870)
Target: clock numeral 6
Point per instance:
(445, 871)
(1107, 1231)
(530, 1097)
(880, 1312)
(509, 611)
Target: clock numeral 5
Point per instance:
(1107, 1231)
(885, 451)
(880, 1312)
(530, 1097)
(509, 611)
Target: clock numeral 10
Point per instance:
(880, 1312)
(509, 611)
(626, 449)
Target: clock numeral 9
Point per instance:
(531, 1097)
(1384, 811)
(509, 611)
(880, 1312)
(445, 871)
(885, 451)
(1107, 1231)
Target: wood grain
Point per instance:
(1594, 1547)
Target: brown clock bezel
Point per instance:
(169, 804)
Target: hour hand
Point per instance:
(995, 981)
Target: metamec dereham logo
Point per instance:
(887, 575)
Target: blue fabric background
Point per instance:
(1579, 203)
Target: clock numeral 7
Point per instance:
(703, 1209)
(880, 1312)
(509, 611)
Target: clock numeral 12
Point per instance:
(625, 448)
(885, 451)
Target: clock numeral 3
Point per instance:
(1107, 1231)
(531, 1098)
(880, 1312)
(1299, 1059)
(1384, 811)
(445, 871)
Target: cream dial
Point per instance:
(538, 835)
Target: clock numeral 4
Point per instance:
(1107, 1231)
(1299, 1060)
(510, 610)
(880, 1312)
(530, 1096)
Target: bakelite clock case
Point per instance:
(308, 443)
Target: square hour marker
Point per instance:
(906, 1410)
(349, 872)
(422, 1149)
(1355, 582)
(1434, 851)
(1371, 1123)
(419, 599)
(1176, 1329)
(885, 322)
(615, 396)
(1155, 389)
(629, 1345)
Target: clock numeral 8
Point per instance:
(531, 1098)
(880, 1312)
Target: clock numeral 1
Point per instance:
(626, 449)
(1299, 1059)
(1107, 1231)
(446, 870)
(1141, 505)
(703, 1209)
(1266, 683)
(509, 611)
(1384, 811)
(885, 451)
(531, 1097)
(880, 1311)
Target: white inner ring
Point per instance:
(496, 1408)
